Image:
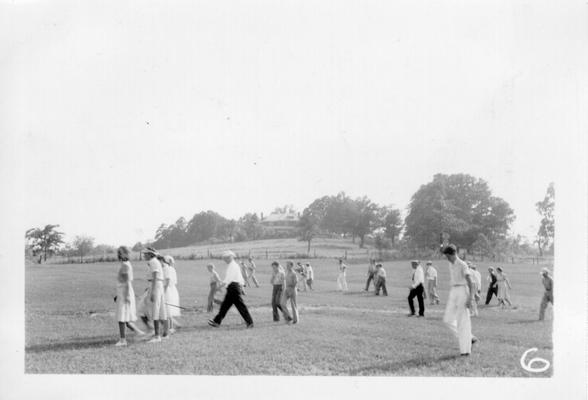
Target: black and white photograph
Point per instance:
(294, 199)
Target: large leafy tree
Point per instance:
(206, 225)
(458, 207)
(311, 220)
(546, 208)
(392, 223)
(44, 241)
(365, 217)
(83, 245)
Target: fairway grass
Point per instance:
(70, 328)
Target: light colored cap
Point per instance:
(169, 260)
(228, 253)
(544, 271)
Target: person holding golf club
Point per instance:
(125, 297)
(461, 296)
(234, 282)
(156, 295)
(172, 297)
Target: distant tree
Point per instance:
(104, 249)
(482, 246)
(287, 209)
(364, 216)
(382, 243)
(138, 247)
(546, 208)
(459, 207)
(206, 225)
(250, 223)
(44, 241)
(83, 245)
(392, 223)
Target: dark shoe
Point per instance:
(213, 324)
(250, 325)
(474, 340)
(464, 354)
(410, 315)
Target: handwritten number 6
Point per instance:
(529, 366)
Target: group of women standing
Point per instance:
(160, 301)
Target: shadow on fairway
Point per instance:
(75, 344)
(403, 365)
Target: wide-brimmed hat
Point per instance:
(151, 250)
(228, 253)
(169, 260)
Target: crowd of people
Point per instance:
(159, 305)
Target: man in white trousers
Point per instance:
(457, 317)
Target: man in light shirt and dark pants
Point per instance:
(461, 296)
(417, 289)
(234, 282)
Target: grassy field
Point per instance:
(70, 328)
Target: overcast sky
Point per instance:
(125, 117)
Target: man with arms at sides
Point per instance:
(371, 275)
(548, 295)
(417, 288)
(431, 278)
(234, 282)
(461, 294)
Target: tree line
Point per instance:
(458, 208)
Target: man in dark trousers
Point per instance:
(492, 285)
(234, 282)
(417, 288)
(548, 295)
(371, 275)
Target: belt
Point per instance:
(459, 284)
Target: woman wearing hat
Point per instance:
(172, 297)
(125, 297)
(156, 295)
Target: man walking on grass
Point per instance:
(461, 296)
(380, 280)
(431, 278)
(548, 295)
(417, 288)
(234, 282)
(371, 275)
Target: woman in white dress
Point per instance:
(157, 295)
(342, 278)
(503, 288)
(125, 297)
(172, 297)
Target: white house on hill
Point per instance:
(281, 222)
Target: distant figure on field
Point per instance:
(244, 273)
(301, 270)
(417, 289)
(431, 278)
(380, 280)
(251, 268)
(309, 275)
(172, 297)
(457, 317)
(234, 283)
(278, 281)
(492, 285)
(548, 294)
(371, 275)
(290, 293)
(157, 296)
(503, 288)
(125, 297)
(215, 286)
(342, 277)
(477, 280)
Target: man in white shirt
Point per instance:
(417, 288)
(234, 282)
(457, 317)
(381, 280)
(309, 275)
(431, 278)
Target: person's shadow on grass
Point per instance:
(74, 344)
(396, 366)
